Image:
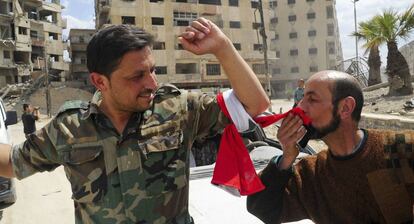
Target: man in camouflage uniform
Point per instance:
(126, 152)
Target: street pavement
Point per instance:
(42, 198)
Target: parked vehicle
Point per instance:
(211, 204)
(7, 187)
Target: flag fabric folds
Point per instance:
(234, 168)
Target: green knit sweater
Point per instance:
(373, 185)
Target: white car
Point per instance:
(211, 204)
(7, 190)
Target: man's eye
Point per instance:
(137, 77)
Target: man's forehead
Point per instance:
(318, 87)
(139, 57)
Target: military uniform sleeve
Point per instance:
(36, 154)
(206, 115)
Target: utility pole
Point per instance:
(48, 100)
(266, 63)
(356, 39)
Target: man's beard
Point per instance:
(319, 133)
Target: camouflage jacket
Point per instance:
(140, 176)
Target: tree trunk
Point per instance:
(398, 72)
(374, 63)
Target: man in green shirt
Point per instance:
(126, 152)
(299, 92)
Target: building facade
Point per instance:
(31, 30)
(302, 37)
(306, 40)
(166, 19)
(79, 39)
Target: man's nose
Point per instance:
(302, 105)
(151, 82)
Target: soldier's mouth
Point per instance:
(149, 96)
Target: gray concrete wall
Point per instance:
(389, 122)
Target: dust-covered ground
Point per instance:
(58, 95)
(379, 102)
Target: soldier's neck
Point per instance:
(118, 118)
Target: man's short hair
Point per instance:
(25, 106)
(110, 44)
(343, 87)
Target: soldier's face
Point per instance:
(133, 83)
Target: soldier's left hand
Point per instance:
(204, 37)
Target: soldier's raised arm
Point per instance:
(6, 169)
(204, 37)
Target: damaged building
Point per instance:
(238, 19)
(30, 31)
(302, 38)
(79, 39)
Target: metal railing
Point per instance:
(357, 67)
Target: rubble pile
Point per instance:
(378, 102)
(34, 92)
(12, 93)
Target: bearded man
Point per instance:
(365, 176)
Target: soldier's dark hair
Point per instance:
(107, 47)
(343, 87)
(25, 106)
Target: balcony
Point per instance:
(7, 63)
(36, 1)
(78, 47)
(57, 65)
(6, 16)
(38, 42)
(79, 68)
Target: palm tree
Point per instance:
(394, 26)
(370, 33)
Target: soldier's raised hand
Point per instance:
(204, 37)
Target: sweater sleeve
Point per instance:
(267, 204)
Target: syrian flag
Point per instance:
(234, 170)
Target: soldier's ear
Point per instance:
(99, 81)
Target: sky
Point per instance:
(81, 14)
(365, 10)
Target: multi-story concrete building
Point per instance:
(302, 37)
(29, 30)
(306, 40)
(239, 19)
(79, 39)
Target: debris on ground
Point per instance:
(409, 105)
(378, 102)
(34, 92)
